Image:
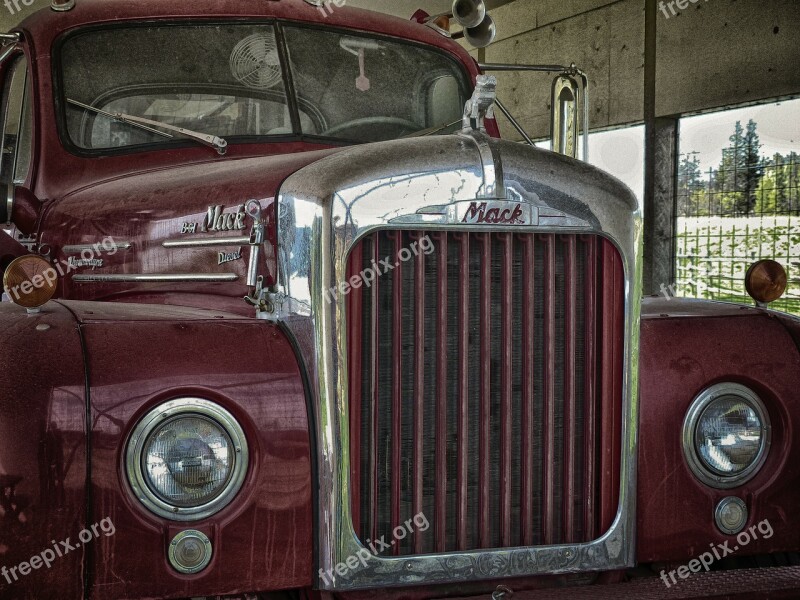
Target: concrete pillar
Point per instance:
(660, 180)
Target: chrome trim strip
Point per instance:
(334, 203)
(491, 167)
(97, 247)
(210, 243)
(8, 51)
(10, 192)
(696, 464)
(155, 278)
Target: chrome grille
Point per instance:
(485, 389)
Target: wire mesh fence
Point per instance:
(728, 218)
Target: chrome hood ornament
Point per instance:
(481, 105)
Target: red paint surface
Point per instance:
(141, 355)
(146, 197)
(148, 209)
(681, 357)
(263, 539)
(42, 450)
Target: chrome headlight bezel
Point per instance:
(185, 407)
(696, 463)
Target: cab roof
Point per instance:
(45, 25)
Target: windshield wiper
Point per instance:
(212, 141)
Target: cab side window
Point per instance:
(16, 123)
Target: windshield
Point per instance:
(232, 81)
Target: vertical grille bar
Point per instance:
(570, 428)
(419, 388)
(440, 500)
(486, 388)
(376, 404)
(397, 383)
(527, 481)
(548, 417)
(590, 379)
(354, 313)
(610, 380)
(506, 390)
(463, 394)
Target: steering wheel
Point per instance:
(392, 122)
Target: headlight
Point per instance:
(726, 435)
(186, 459)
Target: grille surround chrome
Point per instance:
(327, 207)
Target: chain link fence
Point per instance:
(728, 218)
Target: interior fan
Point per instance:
(255, 62)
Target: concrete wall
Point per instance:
(12, 14)
(604, 38)
(721, 52)
(713, 53)
(406, 8)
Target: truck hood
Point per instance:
(179, 222)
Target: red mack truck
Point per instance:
(284, 317)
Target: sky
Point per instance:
(621, 151)
(778, 129)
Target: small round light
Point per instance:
(186, 459)
(731, 515)
(766, 281)
(30, 281)
(190, 551)
(726, 435)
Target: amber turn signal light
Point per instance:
(30, 281)
(442, 21)
(766, 281)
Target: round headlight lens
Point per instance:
(726, 435)
(729, 435)
(186, 459)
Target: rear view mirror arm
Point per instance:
(578, 81)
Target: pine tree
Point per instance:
(753, 168)
(690, 186)
(792, 169)
(740, 172)
(766, 193)
(781, 192)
